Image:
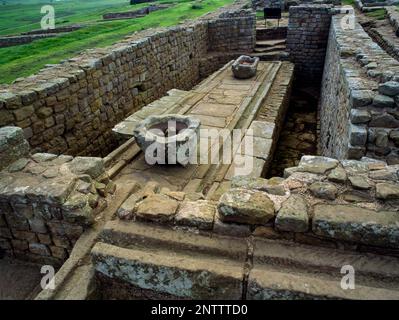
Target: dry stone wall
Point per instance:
(358, 108)
(71, 108)
(18, 40)
(307, 38)
(47, 201)
(346, 204)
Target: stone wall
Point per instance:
(55, 30)
(18, 40)
(233, 31)
(71, 108)
(47, 201)
(307, 38)
(12, 145)
(357, 108)
(393, 17)
(345, 204)
(134, 14)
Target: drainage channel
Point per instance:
(298, 136)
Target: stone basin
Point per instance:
(168, 139)
(245, 67)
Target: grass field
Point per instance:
(23, 15)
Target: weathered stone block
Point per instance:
(293, 215)
(177, 275)
(198, 214)
(92, 166)
(387, 191)
(316, 164)
(359, 182)
(382, 101)
(157, 207)
(39, 249)
(337, 175)
(324, 190)
(352, 223)
(246, 206)
(357, 135)
(389, 88)
(58, 252)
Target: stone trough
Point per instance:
(245, 67)
(168, 139)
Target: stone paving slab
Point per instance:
(218, 102)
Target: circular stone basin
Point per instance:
(245, 67)
(168, 139)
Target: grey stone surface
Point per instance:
(389, 88)
(356, 224)
(246, 206)
(293, 215)
(324, 190)
(93, 166)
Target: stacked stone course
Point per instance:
(358, 100)
(47, 201)
(307, 38)
(346, 204)
(71, 108)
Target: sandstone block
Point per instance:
(92, 166)
(324, 190)
(352, 223)
(246, 206)
(317, 164)
(157, 207)
(387, 191)
(293, 215)
(199, 214)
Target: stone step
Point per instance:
(270, 43)
(277, 48)
(369, 268)
(188, 265)
(271, 56)
(176, 274)
(265, 283)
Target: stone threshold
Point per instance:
(203, 267)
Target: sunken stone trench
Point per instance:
(322, 190)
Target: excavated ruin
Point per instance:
(310, 186)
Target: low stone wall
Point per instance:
(340, 204)
(357, 106)
(55, 30)
(135, 13)
(371, 5)
(72, 107)
(307, 38)
(18, 40)
(47, 201)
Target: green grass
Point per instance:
(377, 14)
(348, 2)
(20, 61)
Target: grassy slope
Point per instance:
(24, 60)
